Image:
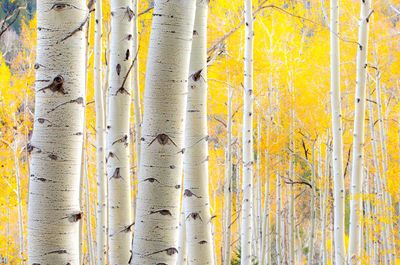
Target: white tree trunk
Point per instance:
(101, 217)
(182, 249)
(118, 157)
(228, 185)
(159, 185)
(195, 159)
(336, 110)
(265, 240)
(358, 135)
(247, 183)
(278, 219)
(54, 212)
(137, 110)
(312, 210)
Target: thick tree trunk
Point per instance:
(247, 183)
(54, 212)
(101, 217)
(195, 159)
(358, 135)
(118, 157)
(159, 188)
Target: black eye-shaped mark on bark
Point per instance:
(189, 193)
(78, 101)
(118, 69)
(197, 75)
(60, 6)
(79, 28)
(61, 251)
(123, 140)
(169, 251)
(130, 13)
(163, 212)
(111, 155)
(127, 54)
(42, 120)
(194, 216)
(30, 148)
(56, 85)
(126, 229)
(152, 180)
(116, 174)
(53, 157)
(74, 217)
(202, 242)
(163, 139)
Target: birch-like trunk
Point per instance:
(196, 199)
(265, 239)
(137, 110)
(358, 135)
(101, 217)
(118, 156)
(247, 182)
(54, 213)
(228, 185)
(159, 185)
(336, 111)
(312, 210)
(278, 219)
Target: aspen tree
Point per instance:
(195, 158)
(338, 178)
(312, 209)
(54, 213)
(162, 148)
(358, 135)
(137, 110)
(228, 184)
(247, 183)
(118, 140)
(182, 249)
(291, 218)
(101, 217)
(278, 219)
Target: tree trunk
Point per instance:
(338, 178)
(247, 183)
(101, 218)
(195, 159)
(118, 157)
(228, 185)
(54, 212)
(358, 135)
(278, 219)
(159, 185)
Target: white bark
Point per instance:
(118, 157)
(182, 249)
(247, 182)
(101, 217)
(89, 236)
(265, 239)
(278, 220)
(137, 110)
(195, 159)
(159, 185)
(228, 185)
(312, 210)
(336, 110)
(54, 213)
(358, 135)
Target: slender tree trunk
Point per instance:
(387, 196)
(89, 236)
(291, 176)
(54, 212)
(265, 240)
(358, 135)
(118, 157)
(278, 220)
(338, 178)
(228, 184)
(159, 188)
(182, 250)
(195, 159)
(247, 183)
(137, 110)
(101, 218)
(312, 210)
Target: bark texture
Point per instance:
(162, 148)
(56, 145)
(118, 139)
